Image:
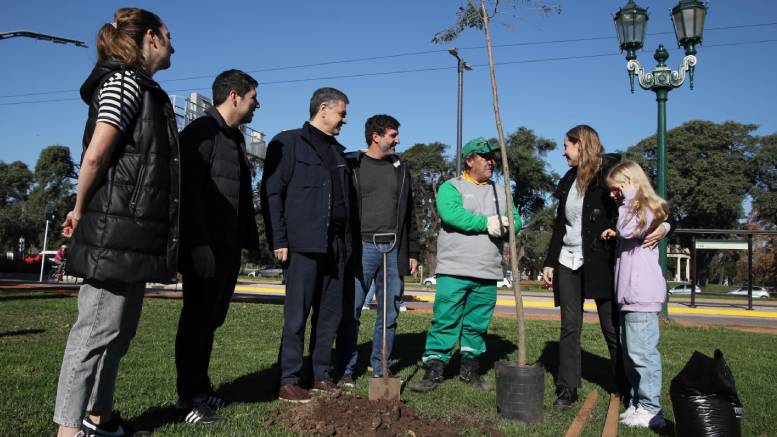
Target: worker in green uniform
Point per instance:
(469, 264)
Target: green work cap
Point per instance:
(478, 145)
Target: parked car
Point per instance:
(431, 280)
(267, 272)
(504, 283)
(683, 289)
(758, 292)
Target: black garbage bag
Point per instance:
(704, 398)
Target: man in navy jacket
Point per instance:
(306, 196)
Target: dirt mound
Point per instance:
(343, 414)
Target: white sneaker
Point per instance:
(629, 411)
(642, 418)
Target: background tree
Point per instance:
(765, 188)
(429, 168)
(54, 188)
(532, 181)
(16, 181)
(709, 176)
(535, 239)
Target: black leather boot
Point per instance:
(565, 397)
(470, 374)
(432, 378)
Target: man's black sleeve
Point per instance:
(196, 147)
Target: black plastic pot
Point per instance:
(520, 391)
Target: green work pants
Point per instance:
(463, 308)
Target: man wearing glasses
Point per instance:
(469, 263)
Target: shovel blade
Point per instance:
(384, 389)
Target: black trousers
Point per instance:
(314, 281)
(205, 306)
(571, 299)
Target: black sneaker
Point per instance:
(113, 428)
(214, 400)
(432, 378)
(566, 397)
(202, 413)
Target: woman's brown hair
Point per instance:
(122, 40)
(590, 154)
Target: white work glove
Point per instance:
(496, 224)
(204, 262)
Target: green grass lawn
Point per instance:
(34, 326)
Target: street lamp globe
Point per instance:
(688, 18)
(630, 25)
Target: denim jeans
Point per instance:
(108, 316)
(370, 294)
(372, 269)
(641, 359)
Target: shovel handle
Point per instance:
(384, 354)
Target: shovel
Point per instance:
(384, 387)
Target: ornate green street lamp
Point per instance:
(630, 25)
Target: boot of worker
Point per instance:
(470, 373)
(432, 378)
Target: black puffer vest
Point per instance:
(129, 229)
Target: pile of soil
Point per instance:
(343, 414)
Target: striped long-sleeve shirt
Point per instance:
(119, 100)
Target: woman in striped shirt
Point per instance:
(124, 223)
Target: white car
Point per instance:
(758, 292)
(683, 289)
(431, 280)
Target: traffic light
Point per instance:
(49, 213)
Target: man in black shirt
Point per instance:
(387, 224)
(305, 202)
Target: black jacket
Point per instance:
(129, 230)
(217, 208)
(599, 213)
(296, 194)
(407, 229)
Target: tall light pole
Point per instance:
(460, 67)
(630, 25)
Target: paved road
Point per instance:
(715, 311)
(727, 312)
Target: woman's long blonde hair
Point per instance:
(629, 172)
(590, 154)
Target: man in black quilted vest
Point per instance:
(217, 220)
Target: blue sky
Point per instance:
(549, 96)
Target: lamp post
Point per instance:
(460, 67)
(630, 25)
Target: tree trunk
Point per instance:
(508, 194)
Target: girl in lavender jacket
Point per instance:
(640, 289)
